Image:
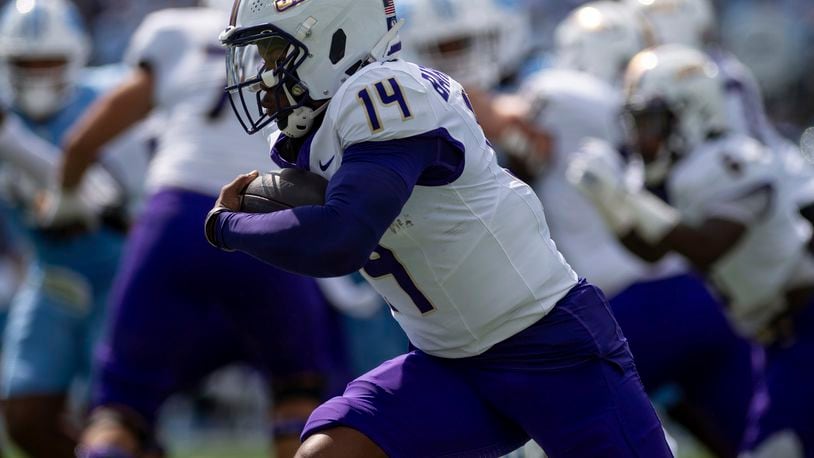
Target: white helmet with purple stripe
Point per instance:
(293, 54)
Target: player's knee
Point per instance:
(317, 445)
(339, 442)
(111, 429)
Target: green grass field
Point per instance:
(209, 451)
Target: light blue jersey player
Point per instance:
(56, 316)
(508, 344)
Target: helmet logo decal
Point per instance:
(283, 5)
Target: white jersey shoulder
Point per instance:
(397, 100)
(468, 262)
(743, 177)
(201, 144)
(720, 170)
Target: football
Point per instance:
(283, 189)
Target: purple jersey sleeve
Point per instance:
(362, 200)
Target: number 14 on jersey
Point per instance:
(388, 92)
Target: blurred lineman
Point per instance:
(482, 44)
(508, 343)
(692, 23)
(728, 209)
(174, 319)
(56, 316)
(676, 328)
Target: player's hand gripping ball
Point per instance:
(266, 193)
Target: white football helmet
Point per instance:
(477, 42)
(600, 38)
(674, 98)
(43, 46)
(686, 22)
(292, 54)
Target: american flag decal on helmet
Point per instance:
(389, 7)
(390, 13)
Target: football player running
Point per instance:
(729, 210)
(57, 314)
(197, 318)
(508, 342)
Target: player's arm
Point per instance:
(651, 228)
(703, 245)
(106, 119)
(363, 198)
(26, 151)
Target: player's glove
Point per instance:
(65, 211)
(598, 171)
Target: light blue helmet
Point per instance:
(43, 46)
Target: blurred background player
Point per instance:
(599, 38)
(693, 23)
(487, 44)
(57, 314)
(198, 319)
(731, 213)
(697, 358)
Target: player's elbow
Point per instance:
(348, 253)
(341, 262)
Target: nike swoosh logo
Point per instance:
(325, 166)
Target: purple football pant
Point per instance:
(679, 335)
(568, 382)
(181, 309)
(790, 378)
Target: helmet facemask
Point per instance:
(41, 86)
(651, 126)
(262, 80)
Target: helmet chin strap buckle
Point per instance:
(300, 121)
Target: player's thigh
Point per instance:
(570, 382)
(415, 405)
(42, 344)
(790, 377)
(678, 334)
(285, 323)
(164, 330)
(669, 322)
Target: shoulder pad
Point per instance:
(384, 102)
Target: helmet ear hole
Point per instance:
(338, 42)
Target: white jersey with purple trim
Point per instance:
(747, 116)
(573, 107)
(467, 263)
(738, 179)
(201, 145)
